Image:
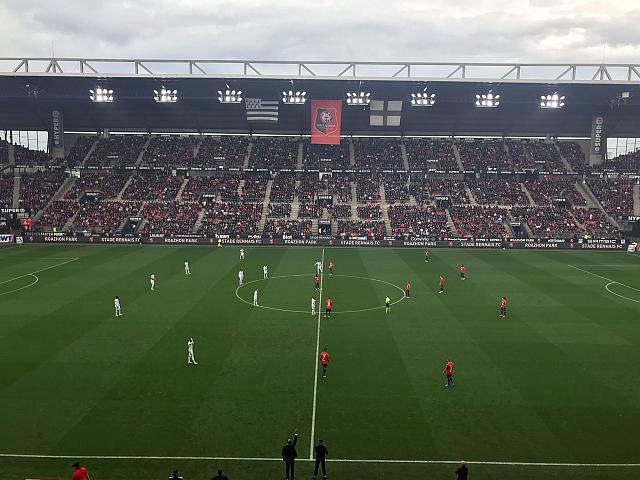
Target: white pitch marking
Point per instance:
(334, 460)
(315, 381)
(22, 288)
(33, 274)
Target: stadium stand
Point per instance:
(79, 150)
(548, 222)
(104, 217)
(273, 152)
(6, 191)
(336, 156)
(107, 182)
(377, 153)
(117, 151)
(29, 158)
(479, 222)
(169, 218)
(152, 186)
(431, 154)
(170, 151)
(231, 219)
(37, 188)
(229, 151)
(615, 196)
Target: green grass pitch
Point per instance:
(556, 382)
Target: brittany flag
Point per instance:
(259, 110)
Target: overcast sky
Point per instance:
(393, 30)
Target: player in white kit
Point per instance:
(255, 297)
(152, 279)
(242, 254)
(240, 278)
(190, 357)
(116, 304)
(313, 306)
(318, 265)
(186, 268)
(265, 273)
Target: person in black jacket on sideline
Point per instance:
(289, 455)
(462, 472)
(321, 456)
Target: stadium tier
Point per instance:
(204, 187)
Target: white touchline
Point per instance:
(315, 381)
(605, 278)
(333, 460)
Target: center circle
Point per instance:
(326, 292)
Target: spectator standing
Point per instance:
(462, 472)
(289, 455)
(220, 476)
(321, 456)
(175, 476)
(79, 473)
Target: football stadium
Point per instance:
(211, 264)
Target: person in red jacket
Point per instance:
(316, 280)
(328, 305)
(324, 361)
(79, 473)
(441, 284)
(503, 307)
(407, 290)
(448, 371)
(330, 268)
(462, 272)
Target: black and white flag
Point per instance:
(259, 110)
(385, 113)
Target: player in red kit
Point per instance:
(462, 272)
(316, 279)
(426, 256)
(324, 361)
(503, 307)
(441, 284)
(330, 268)
(327, 307)
(448, 371)
(407, 290)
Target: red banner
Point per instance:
(326, 116)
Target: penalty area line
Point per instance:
(334, 460)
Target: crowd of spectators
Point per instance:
(117, 151)
(484, 154)
(231, 218)
(56, 215)
(279, 210)
(615, 196)
(337, 154)
(595, 223)
(340, 211)
(545, 190)
(288, 227)
(309, 188)
(426, 190)
(273, 152)
(79, 150)
(309, 210)
(4, 152)
(255, 187)
(37, 188)
(340, 188)
(170, 151)
(364, 228)
(627, 163)
(230, 150)
(548, 221)
(368, 189)
(152, 186)
(396, 189)
(224, 187)
(169, 218)
(545, 156)
(519, 157)
(6, 191)
(25, 157)
(107, 182)
(573, 154)
(104, 217)
(422, 221)
(498, 192)
(283, 187)
(371, 212)
(479, 222)
(378, 153)
(428, 154)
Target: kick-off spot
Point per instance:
(337, 312)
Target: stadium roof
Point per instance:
(30, 88)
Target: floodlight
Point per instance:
(551, 101)
(358, 98)
(165, 95)
(297, 98)
(488, 100)
(423, 99)
(230, 96)
(101, 95)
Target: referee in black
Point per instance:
(289, 455)
(321, 456)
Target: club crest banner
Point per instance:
(326, 116)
